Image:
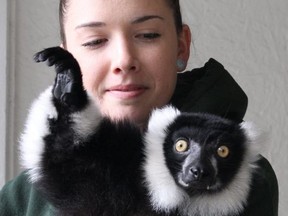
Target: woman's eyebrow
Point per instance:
(146, 18)
(90, 25)
(134, 21)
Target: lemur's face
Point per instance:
(204, 158)
(127, 51)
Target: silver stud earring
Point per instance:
(181, 64)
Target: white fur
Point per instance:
(87, 120)
(165, 195)
(36, 127)
(256, 140)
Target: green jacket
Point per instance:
(208, 89)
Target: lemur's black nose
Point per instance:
(199, 173)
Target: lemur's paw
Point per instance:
(68, 86)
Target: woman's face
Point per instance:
(127, 51)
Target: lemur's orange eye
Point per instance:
(181, 145)
(223, 151)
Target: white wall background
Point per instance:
(250, 38)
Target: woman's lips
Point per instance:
(127, 91)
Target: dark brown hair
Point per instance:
(173, 4)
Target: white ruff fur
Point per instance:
(256, 140)
(166, 195)
(36, 127)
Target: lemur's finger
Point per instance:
(47, 53)
(61, 59)
(53, 56)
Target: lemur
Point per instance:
(184, 164)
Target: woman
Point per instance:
(129, 53)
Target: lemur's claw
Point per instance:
(68, 85)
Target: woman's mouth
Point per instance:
(126, 91)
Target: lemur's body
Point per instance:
(86, 164)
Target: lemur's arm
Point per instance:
(61, 119)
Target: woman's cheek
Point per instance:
(88, 70)
(88, 77)
(87, 83)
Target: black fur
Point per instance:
(100, 176)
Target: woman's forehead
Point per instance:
(110, 9)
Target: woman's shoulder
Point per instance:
(19, 197)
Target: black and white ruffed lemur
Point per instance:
(86, 164)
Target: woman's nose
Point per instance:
(125, 58)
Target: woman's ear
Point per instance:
(184, 42)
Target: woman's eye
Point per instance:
(149, 36)
(95, 43)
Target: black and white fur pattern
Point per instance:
(86, 164)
